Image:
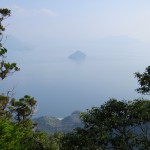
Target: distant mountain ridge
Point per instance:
(16, 44)
(53, 124)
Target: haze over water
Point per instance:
(115, 41)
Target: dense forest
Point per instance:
(115, 125)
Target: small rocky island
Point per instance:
(77, 56)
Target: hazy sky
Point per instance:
(83, 20)
(114, 34)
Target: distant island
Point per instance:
(77, 56)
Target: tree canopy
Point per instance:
(114, 125)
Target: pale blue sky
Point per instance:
(114, 34)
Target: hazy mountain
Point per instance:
(14, 44)
(53, 124)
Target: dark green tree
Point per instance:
(144, 81)
(116, 125)
(23, 109)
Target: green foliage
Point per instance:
(3, 105)
(18, 132)
(3, 51)
(10, 135)
(35, 141)
(14, 137)
(144, 81)
(7, 68)
(4, 13)
(114, 125)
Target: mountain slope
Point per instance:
(53, 124)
